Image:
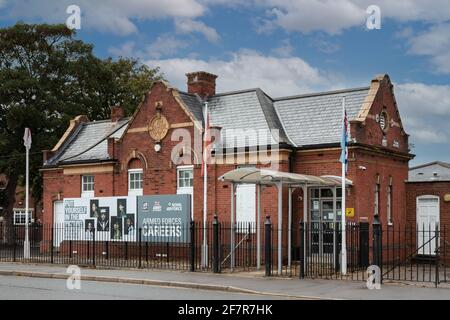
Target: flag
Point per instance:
(27, 138)
(344, 140)
(207, 145)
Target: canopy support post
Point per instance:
(280, 225)
(334, 226)
(290, 227)
(232, 228)
(258, 228)
(305, 220)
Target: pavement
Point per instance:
(249, 284)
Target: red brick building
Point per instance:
(141, 154)
(428, 194)
(18, 210)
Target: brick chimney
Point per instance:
(201, 83)
(117, 113)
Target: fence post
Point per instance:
(337, 246)
(302, 250)
(51, 243)
(437, 254)
(140, 247)
(249, 246)
(192, 246)
(216, 259)
(268, 246)
(377, 243)
(93, 248)
(14, 242)
(364, 244)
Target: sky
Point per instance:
(284, 47)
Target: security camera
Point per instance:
(362, 168)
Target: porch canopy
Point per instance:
(257, 176)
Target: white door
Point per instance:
(58, 223)
(245, 204)
(427, 219)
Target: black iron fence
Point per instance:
(402, 253)
(417, 253)
(214, 246)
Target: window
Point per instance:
(185, 183)
(377, 197)
(135, 181)
(87, 186)
(185, 178)
(19, 216)
(389, 202)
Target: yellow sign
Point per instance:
(447, 198)
(350, 212)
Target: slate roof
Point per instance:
(89, 142)
(316, 119)
(194, 103)
(247, 118)
(433, 171)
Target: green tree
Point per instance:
(48, 77)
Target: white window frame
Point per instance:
(185, 168)
(19, 213)
(87, 193)
(186, 190)
(135, 191)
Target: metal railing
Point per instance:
(403, 253)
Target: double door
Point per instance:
(324, 224)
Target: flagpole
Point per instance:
(343, 229)
(205, 191)
(26, 243)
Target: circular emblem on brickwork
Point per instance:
(158, 127)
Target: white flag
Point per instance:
(27, 138)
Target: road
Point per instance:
(12, 288)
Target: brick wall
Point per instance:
(417, 189)
(136, 149)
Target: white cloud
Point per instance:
(425, 110)
(331, 16)
(434, 43)
(164, 46)
(278, 76)
(127, 49)
(186, 26)
(285, 50)
(114, 16)
(335, 16)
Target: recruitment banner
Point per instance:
(112, 218)
(165, 218)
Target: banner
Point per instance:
(165, 218)
(113, 218)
